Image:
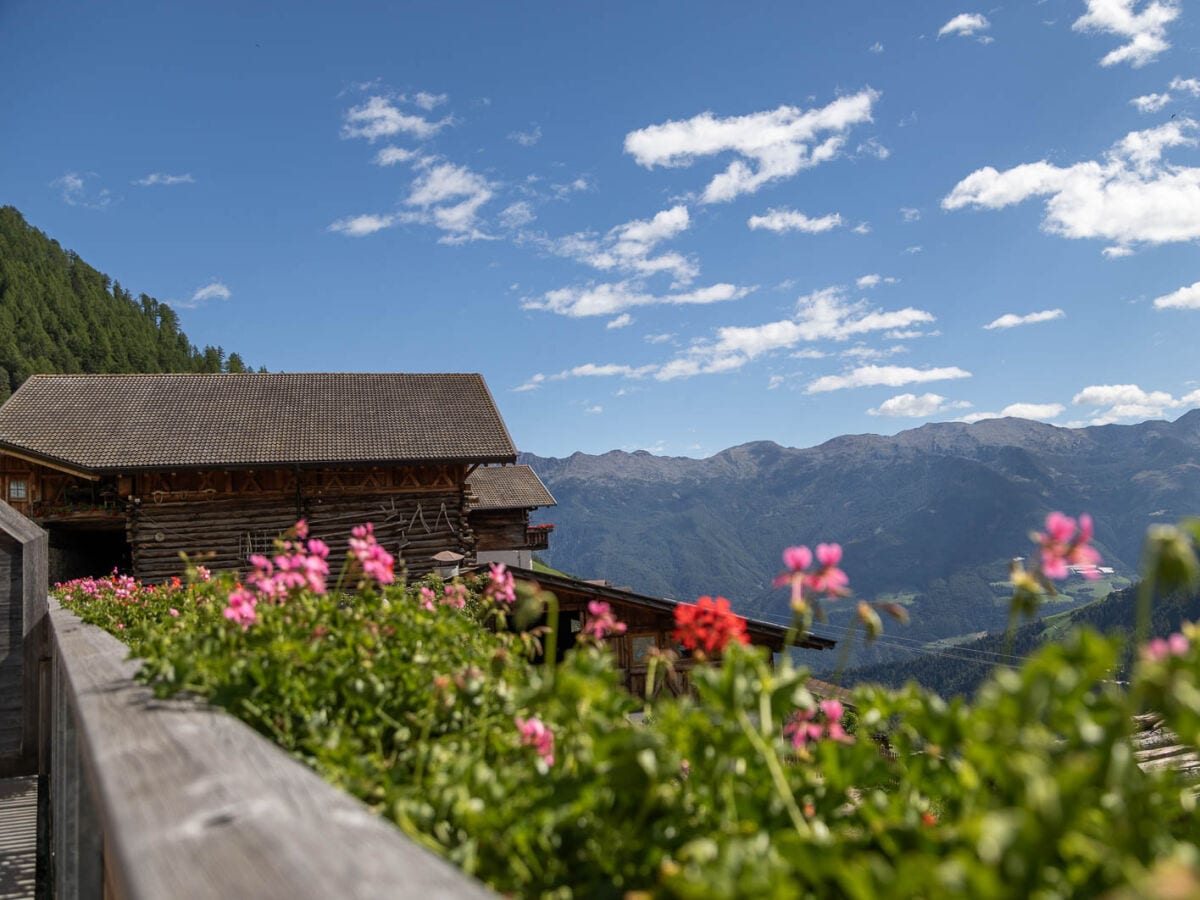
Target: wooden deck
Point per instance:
(18, 838)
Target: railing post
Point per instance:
(76, 843)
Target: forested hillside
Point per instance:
(928, 518)
(960, 669)
(59, 315)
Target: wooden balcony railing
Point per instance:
(171, 798)
(537, 537)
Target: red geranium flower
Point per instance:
(709, 625)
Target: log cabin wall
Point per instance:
(500, 529)
(20, 483)
(220, 517)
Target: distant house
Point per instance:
(500, 502)
(650, 622)
(131, 470)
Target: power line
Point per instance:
(899, 642)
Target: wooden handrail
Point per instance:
(172, 798)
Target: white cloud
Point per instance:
(76, 190)
(862, 351)
(775, 381)
(527, 138)
(913, 250)
(888, 376)
(389, 156)
(872, 147)
(782, 220)
(1145, 31)
(594, 410)
(621, 321)
(1188, 85)
(965, 24)
(378, 117)
(427, 101)
(606, 370)
(874, 280)
(665, 338)
(563, 191)
(629, 247)
(771, 145)
(1149, 103)
(910, 406)
(808, 353)
(359, 226)
(1117, 251)
(517, 215)
(1132, 196)
(1122, 402)
(449, 197)
(1038, 412)
(610, 298)
(1011, 320)
(821, 315)
(861, 228)
(910, 214)
(159, 178)
(876, 47)
(532, 384)
(1184, 298)
(214, 290)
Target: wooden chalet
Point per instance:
(649, 623)
(500, 503)
(132, 470)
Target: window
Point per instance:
(18, 489)
(640, 646)
(258, 542)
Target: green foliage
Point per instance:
(59, 315)
(1031, 790)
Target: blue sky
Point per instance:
(670, 226)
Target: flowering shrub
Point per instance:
(709, 625)
(535, 779)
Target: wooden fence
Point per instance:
(152, 798)
(147, 799)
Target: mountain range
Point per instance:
(929, 517)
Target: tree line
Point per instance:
(58, 315)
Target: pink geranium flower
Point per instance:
(805, 727)
(797, 560)
(828, 578)
(427, 598)
(535, 733)
(601, 622)
(376, 562)
(241, 608)
(501, 585)
(1161, 648)
(1064, 545)
(455, 595)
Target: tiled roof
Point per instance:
(121, 422)
(508, 487)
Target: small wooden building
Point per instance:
(23, 589)
(500, 502)
(650, 622)
(131, 470)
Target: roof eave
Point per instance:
(52, 462)
(94, 472)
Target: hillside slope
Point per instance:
(930, 516)
(60, 315)
(962, 668)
